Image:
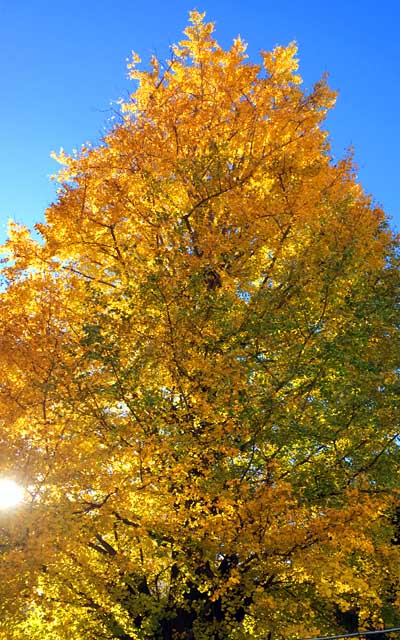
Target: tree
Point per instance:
(199, 366)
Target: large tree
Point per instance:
(199, 369)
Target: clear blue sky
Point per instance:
(63, 63)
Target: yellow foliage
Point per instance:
(199, 368)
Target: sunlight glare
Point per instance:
(11, 493)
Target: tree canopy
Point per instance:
(199, 372)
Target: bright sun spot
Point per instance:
(11, 493)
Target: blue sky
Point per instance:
(63, 63)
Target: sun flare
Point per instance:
(11, 493)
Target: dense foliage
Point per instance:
(199, 372)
